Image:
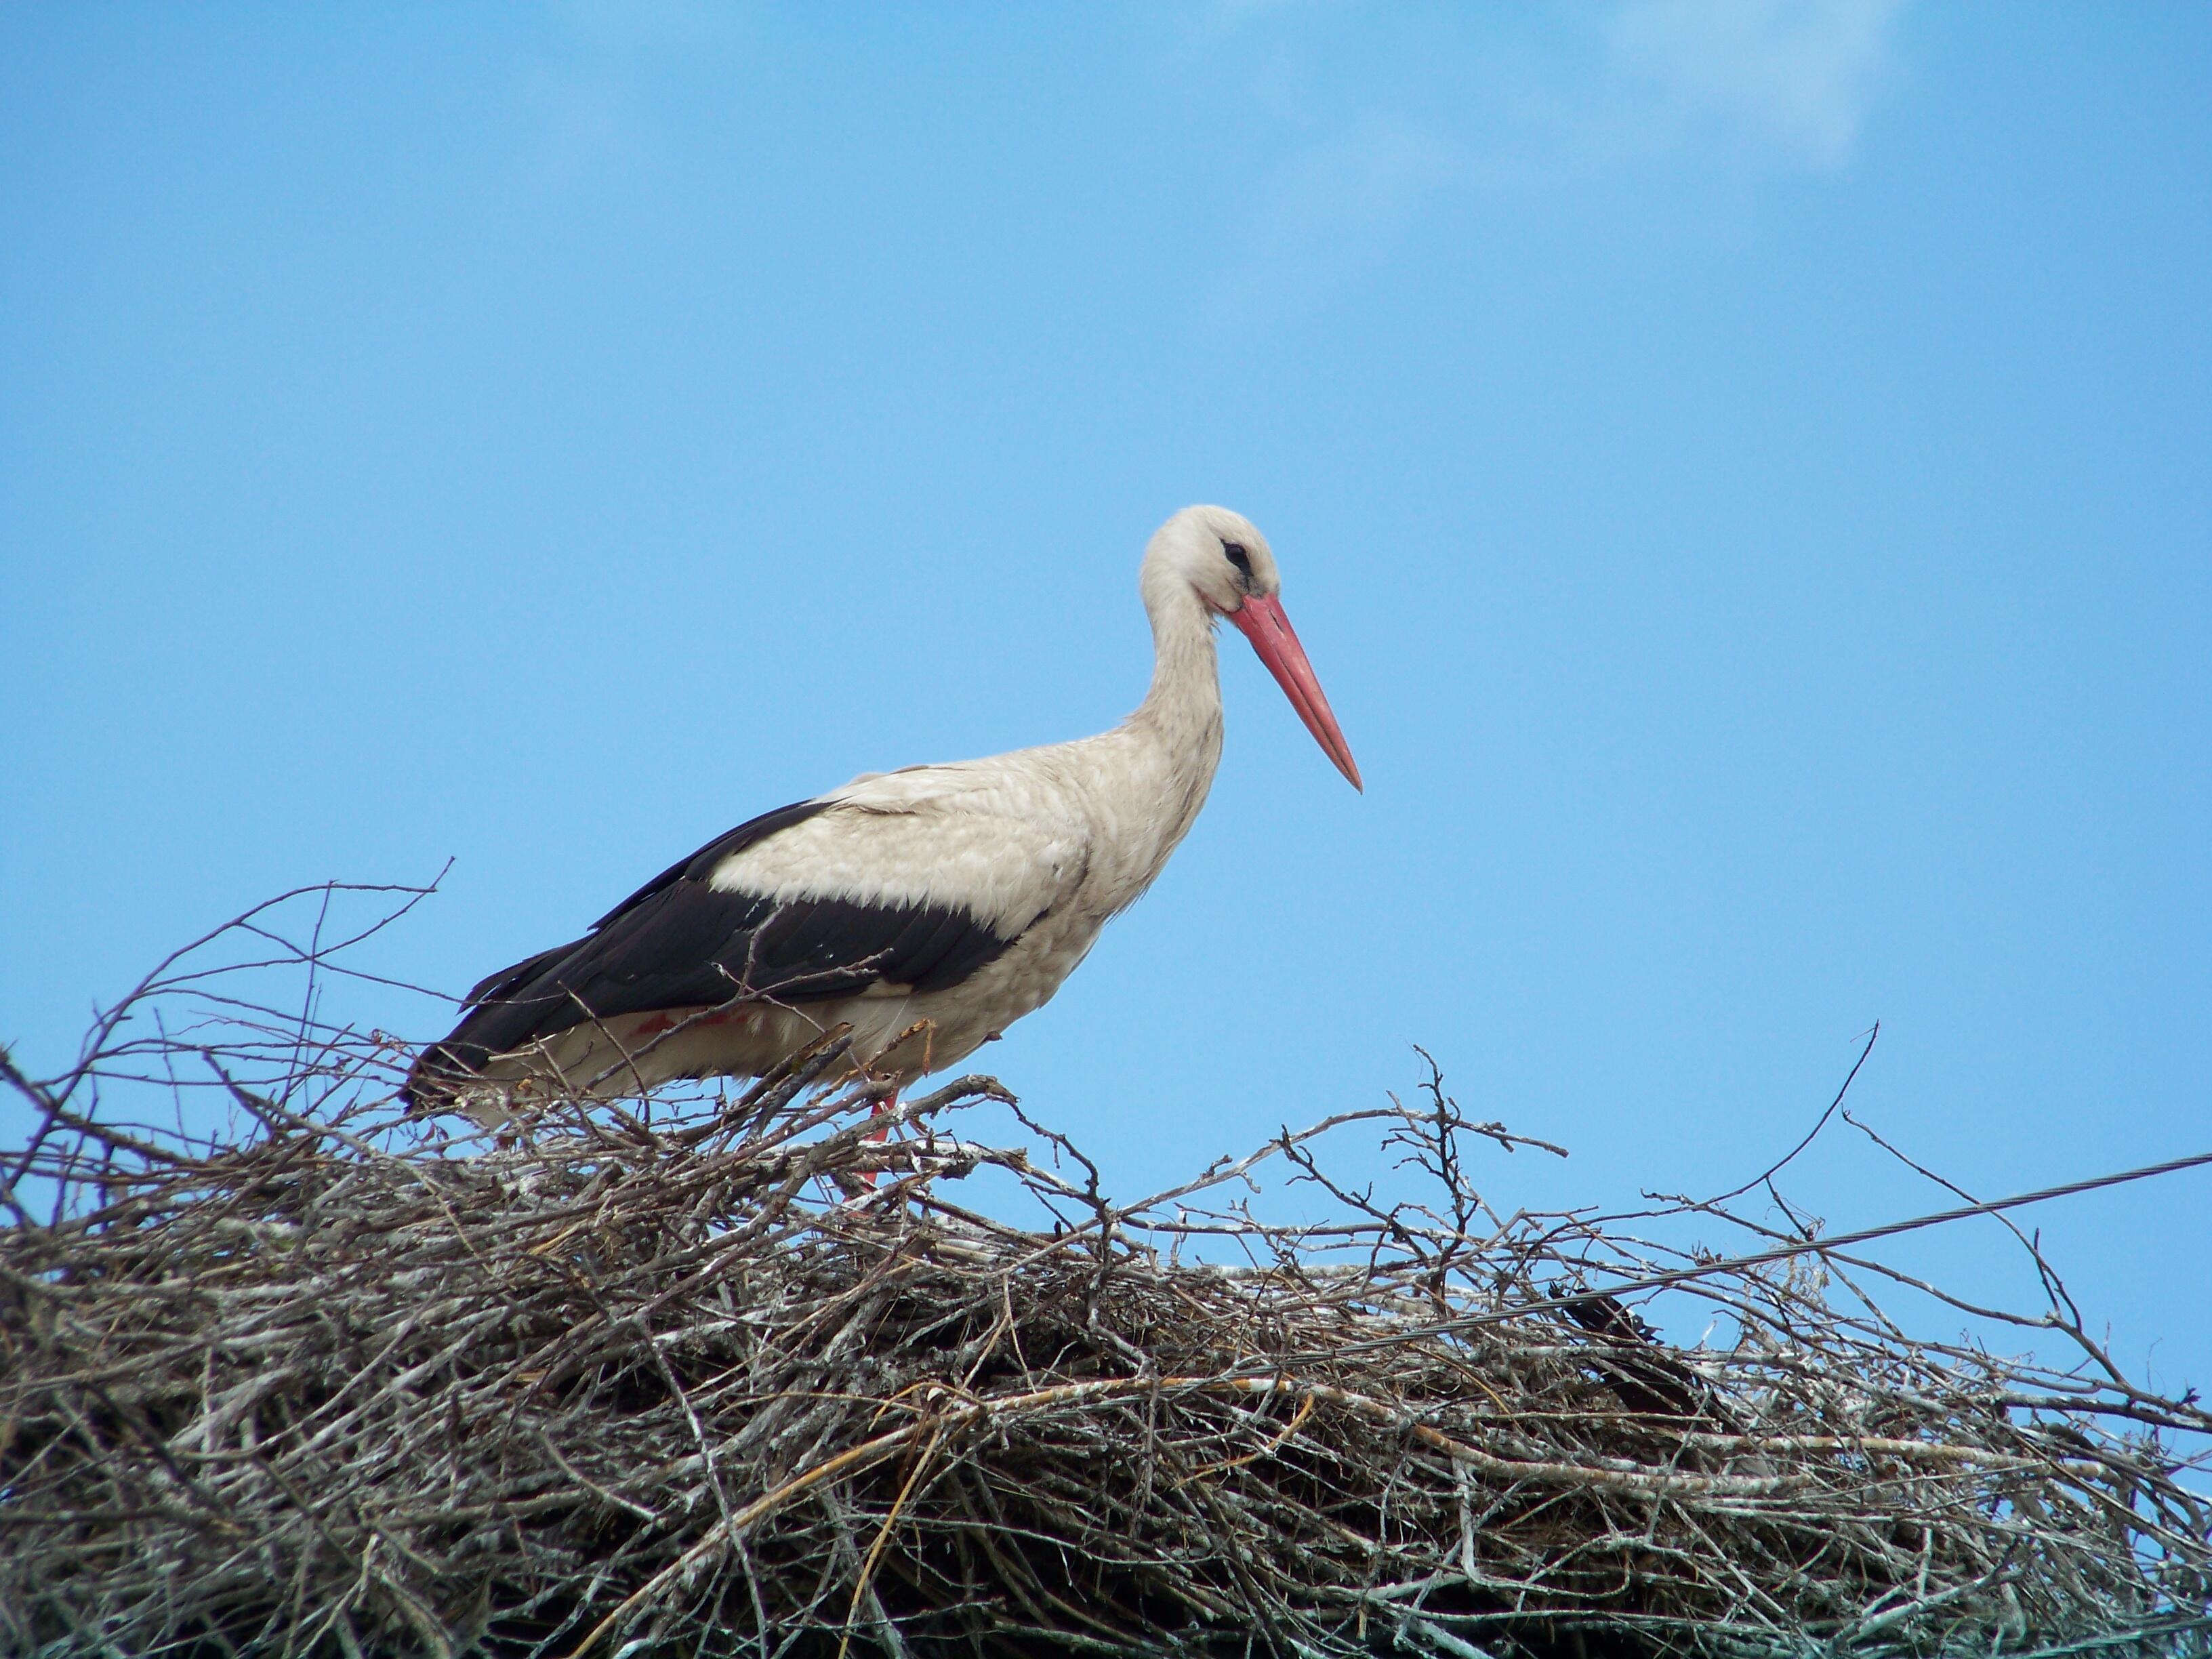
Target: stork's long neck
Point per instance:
(1182, 710)
(1173, 740)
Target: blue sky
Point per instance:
(1741, 471)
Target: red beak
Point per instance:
(1261, 619)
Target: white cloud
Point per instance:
(1376, 118)
(588, 93)
(680, 21)
(1797, 75)
(589, 131)
(1370, 175)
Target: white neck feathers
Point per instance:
(1171, 744)
(1182, 708)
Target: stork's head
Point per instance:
(1222, 557)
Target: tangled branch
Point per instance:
(685, 1377)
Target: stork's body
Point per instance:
(926, 909)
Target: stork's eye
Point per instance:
(1238, 556)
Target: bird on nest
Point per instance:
(924, 910)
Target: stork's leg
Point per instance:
(882, 1132)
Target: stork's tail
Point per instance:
(449, 1074)
(441, 1073)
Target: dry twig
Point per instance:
(655, 1384)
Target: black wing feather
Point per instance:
(701, 865)
(497, 987)
(678, 943)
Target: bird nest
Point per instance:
(739, 1378)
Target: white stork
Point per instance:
(927, 908)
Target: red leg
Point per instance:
(883, 1131)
